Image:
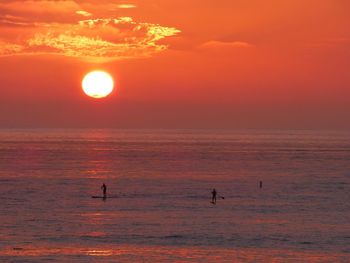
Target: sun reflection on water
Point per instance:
(125, 253)
(99, 253)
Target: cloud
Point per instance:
(10, 20)
(38, 9)
(216, 45)
(95, 39)
(83, 13)
(126, 6)
(8, 49)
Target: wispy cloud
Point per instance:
(97, 39)
(214, 44)
(83, 13)
(36, 9)
(126, 6)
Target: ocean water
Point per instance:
(159, 185)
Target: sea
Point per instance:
(158, 206)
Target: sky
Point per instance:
(229, 64)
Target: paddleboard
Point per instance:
(97, 196)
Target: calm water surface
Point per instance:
(160, 184)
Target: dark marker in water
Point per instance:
(260, 184)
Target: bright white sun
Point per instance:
(98, 84)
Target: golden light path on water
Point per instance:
(123, 253)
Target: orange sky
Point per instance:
(177, 64)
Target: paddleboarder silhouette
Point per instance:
(213, 198)
(104, 189)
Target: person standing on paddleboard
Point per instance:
(213, 198)
(104, 189)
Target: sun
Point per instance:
(98, 84)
